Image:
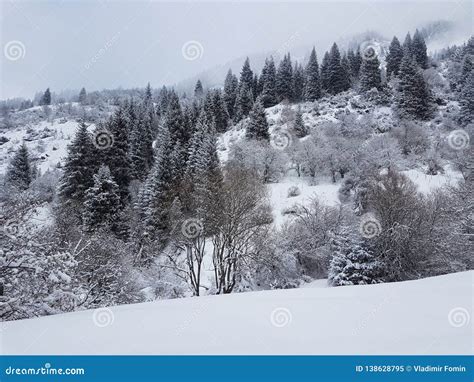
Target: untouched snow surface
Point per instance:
(430, 316)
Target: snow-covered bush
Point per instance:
(293, 191)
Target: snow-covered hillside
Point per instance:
(430, 316)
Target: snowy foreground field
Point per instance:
(429, 316)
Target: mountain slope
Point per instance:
(430, 316)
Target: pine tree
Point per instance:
(313, 82)
(198, 90)
(418, 49)
(46, 99)
(258, 125)
(414, 97)
(301, 130)
(284, 79)
(467, 100)
(370, 76)
(354, 264)
(102, 202)
(231, 85)
(141, 139)
(19, 171)
(298, 83)
(325, 75)
(79, 167)
(83, 96)
(268, 79)
(394, 57)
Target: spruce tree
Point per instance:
(158, 192)
(268, 79)
(414, 97)
(337, 80)
(298, 83)
(301, 130)
(230, 92)
(221, 117)
(198, 90)
(255, 88)
(83, 96)
(79, 167)
(258, 126)
(284, 79)
(203, 175)
(174, 120)
(312, 81)
(243, 102)
(46, 99)
(102, 202)
(354, 263)
(246, 75)
(325, 76)
(116, 156)
(407, 49)
(370, 76)
(394, 57)
(19, 171)
(467, 100)
(346, 72)
(141, 139)
(418, 49)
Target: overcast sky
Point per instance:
(107, 44)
